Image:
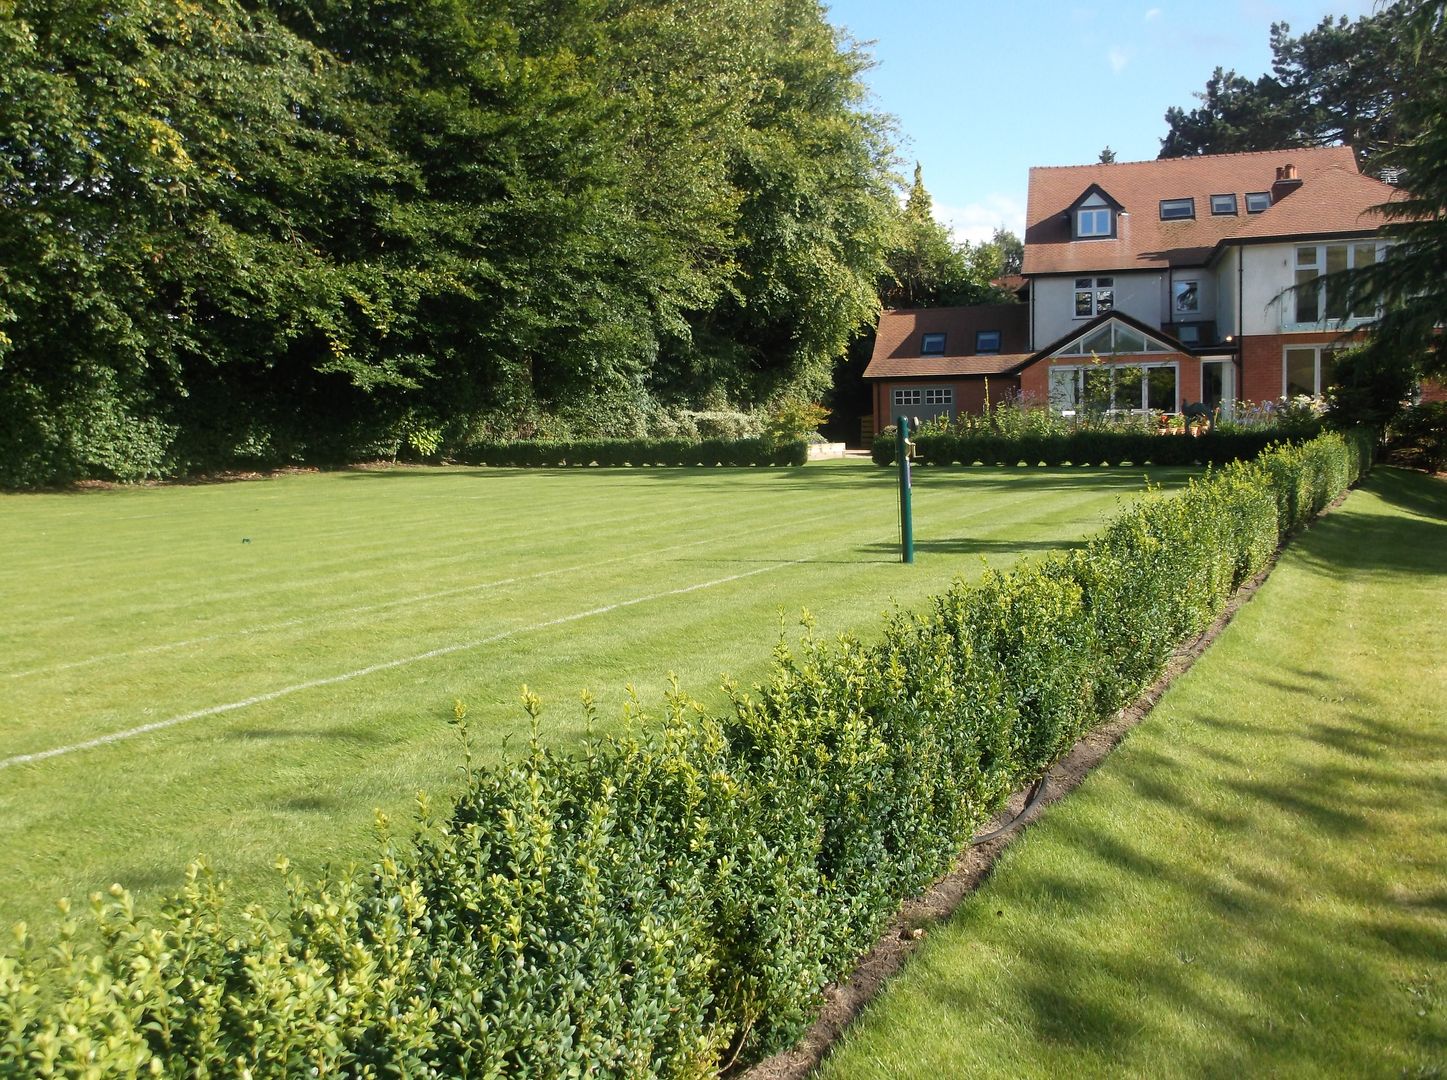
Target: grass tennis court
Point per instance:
(248, 669)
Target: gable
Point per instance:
(1113, 337)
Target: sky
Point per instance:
(981, 91)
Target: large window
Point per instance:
(1186, 297)
(1114, 388)
(1319, 299)
(1306, 370)
(1093, 296)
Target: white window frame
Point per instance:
(939, 395)
(1078, 387)
(1318, 269)
(1319, 365)
(1096, 287)
(1093, 223)
(907, 396)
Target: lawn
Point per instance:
(1253, 884)
(250, 668)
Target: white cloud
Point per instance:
(1153, 14)
(1119, 58)
(977, 221)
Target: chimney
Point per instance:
(1286, 182)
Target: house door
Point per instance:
(1218, 385)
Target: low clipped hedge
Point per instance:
(1085, 447)
(669, 902)
(556, 453)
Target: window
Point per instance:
(1186, 297)
(1306, 370)
(932, 345)
(1094, 296)
(1114, 388)
(1112, 339)
(1175, 209)
(987, 341)
(1257, 201)
(930, 395)
(1092, 221)
(1223, 204)
(1318, 299)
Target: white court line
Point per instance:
(331, 680)
(328, 616)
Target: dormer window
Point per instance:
(1257, 201)
(932, 345)
(1093, 216)
(987, 341)
(1177, 209)
(1223, 204)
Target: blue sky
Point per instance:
(983, 90)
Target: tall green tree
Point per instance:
(1409, 286)
(1341, 82)
(926, 268)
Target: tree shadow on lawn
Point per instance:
(1409, 490)
(965, 545)
(1216, 947)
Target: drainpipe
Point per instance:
(1240, 362)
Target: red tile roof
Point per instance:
(897, 342)
(1332, 198)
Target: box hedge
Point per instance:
(674, 900)
(1087, 446)
(558, 453)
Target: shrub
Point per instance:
(541, 453)
(1419, 435)
(668, 902)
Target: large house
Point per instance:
(1152, 284)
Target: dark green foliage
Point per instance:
(323, 230)
(1087, 446)
(671, 902)
(1419, 435)
(554, 453)
(1339, 83)
(1408, 287)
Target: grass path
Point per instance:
(248, 669)
(1255, 883)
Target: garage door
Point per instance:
(923, 403)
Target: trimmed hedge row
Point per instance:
(669, 902)
(541, 453)
(1086, 448)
